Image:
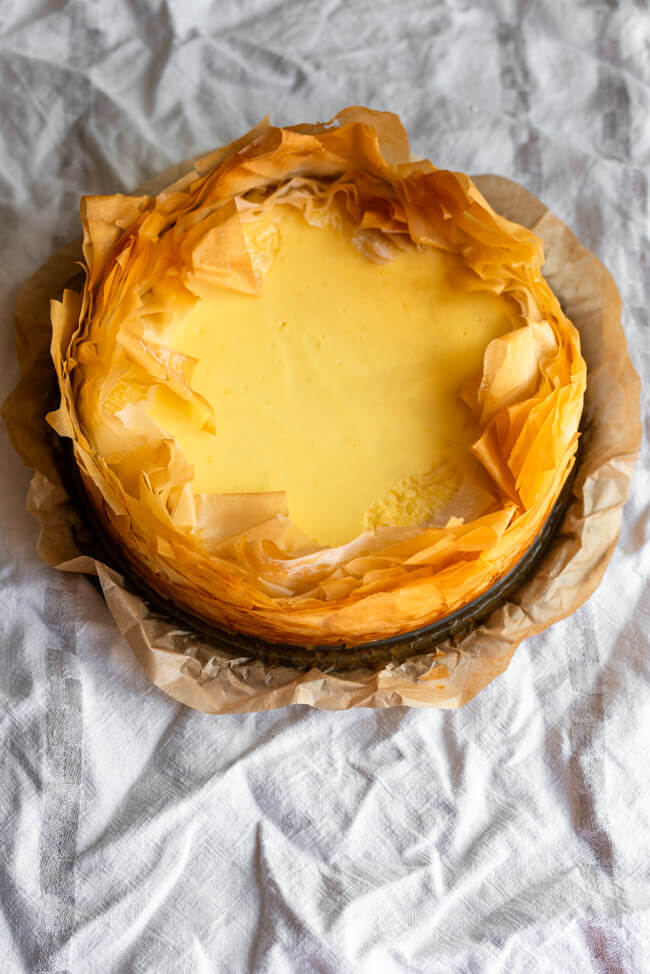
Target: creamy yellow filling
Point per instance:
(338, 381)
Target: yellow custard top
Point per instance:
(338, 381)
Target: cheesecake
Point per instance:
(317, 392)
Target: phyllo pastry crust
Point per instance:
(317, 392)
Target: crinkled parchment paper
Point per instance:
(205, 678)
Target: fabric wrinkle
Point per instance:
(511, 835)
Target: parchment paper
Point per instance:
(206, 679)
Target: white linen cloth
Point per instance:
(139, 836)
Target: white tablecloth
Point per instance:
(139, 836)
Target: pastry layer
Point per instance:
(237, 559)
